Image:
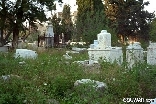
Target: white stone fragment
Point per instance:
(5, 77)
(86, 62)
(72, 52)
(67, 56)
(78, 49)
(96, 84)
(22, 62)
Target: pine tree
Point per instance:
(153, 30)
(129, 18)
(58, 29)
(90, 19)
(67, 22)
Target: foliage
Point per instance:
(153, 31)
(56, 24)
(13, 14)
(52, 77)
(57, 27)
(63, 25)
(67, 22)
(90, 19)
(131, 20)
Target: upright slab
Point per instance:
(151, 54)
(134, 54)
(49, 36)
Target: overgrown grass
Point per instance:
(50, 77)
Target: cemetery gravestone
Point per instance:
(49, 36)
(134, 54)
(104, 39)
(25, 53)
(151, 54)
(102, 49)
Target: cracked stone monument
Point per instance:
(101, 49)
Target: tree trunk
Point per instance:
(1, 37)
(15, 38)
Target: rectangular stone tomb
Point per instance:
(110, 55)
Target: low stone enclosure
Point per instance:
(102, 49)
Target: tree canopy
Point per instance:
(14, 13)
(153, 30)
(129, 18)
(67, 22)
(90, 19)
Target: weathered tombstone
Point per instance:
(134, 54)
(151, 54)
(104, 39)
(116, 54)
(49, 36)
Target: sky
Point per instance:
(151, 7)
(72, 3)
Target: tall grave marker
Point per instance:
(49, 36)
